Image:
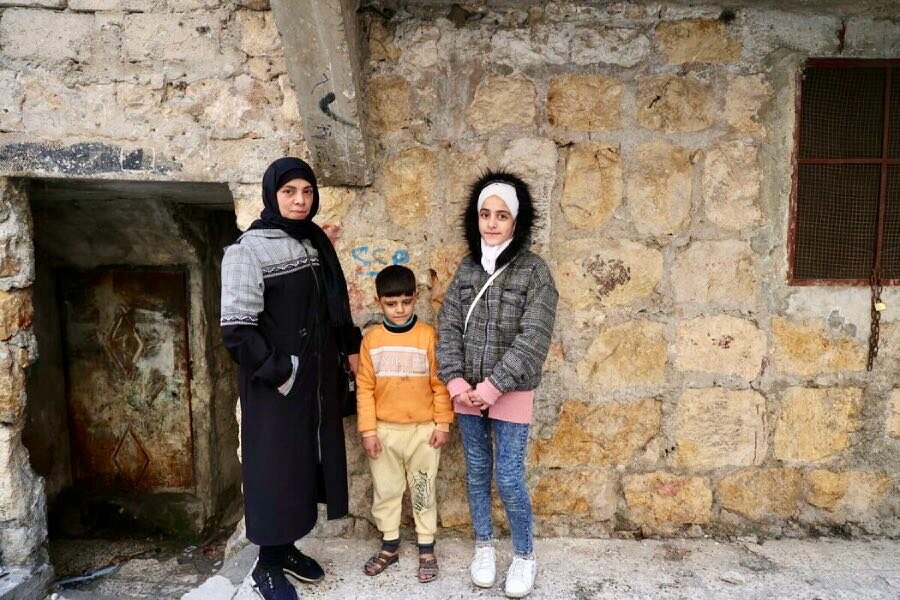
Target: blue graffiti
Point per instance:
(375, 259)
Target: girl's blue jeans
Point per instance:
(484, 442)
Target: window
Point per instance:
(845, 203)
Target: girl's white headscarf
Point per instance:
(507, 193)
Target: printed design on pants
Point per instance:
(421, 493)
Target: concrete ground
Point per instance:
(582, 569)
(568, 568)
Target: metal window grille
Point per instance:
(845, 205)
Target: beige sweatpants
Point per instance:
(406, 459)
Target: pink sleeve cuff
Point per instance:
(457, 386)
(488, 392)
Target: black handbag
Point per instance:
(346, 387)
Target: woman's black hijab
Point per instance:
(279, 173)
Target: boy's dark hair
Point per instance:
(395, 280)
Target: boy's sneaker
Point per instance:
(520, 577)
(484, 566)
(301, 567)
(269, 583)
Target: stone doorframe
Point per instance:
(23, 506)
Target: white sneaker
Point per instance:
(484, 566)
(520, 577)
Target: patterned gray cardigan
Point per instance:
(508, 334)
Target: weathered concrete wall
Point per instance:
(689, 388)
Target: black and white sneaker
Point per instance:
(269, 583)
(301, 567)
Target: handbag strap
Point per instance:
(484, 288)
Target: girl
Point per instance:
(494, 334)
(285, 314)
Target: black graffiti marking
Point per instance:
(322, 132)
(324, 81)
(324, 106)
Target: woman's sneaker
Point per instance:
(301, 567)
(484, 566)
(520, 577)
(269, 583)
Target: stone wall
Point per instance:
(689, 388)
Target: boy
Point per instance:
(404, 417)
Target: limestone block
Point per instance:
(606, 272)
(631, 354)
(409, 179)
(188, 44)
(807, 348)
(715, 272)
(334, 203)
(697, 40)
(662, 498)
(444, 260)
(258, 33)
(521, 48)
(419, 46)
(13, 361)
(10, 265)
(11, 98)
(719, 428)
(721, 345)
(873, 37)
(453, 506)
(583, 492)
(241, 160)
(53, 109)
(16, 478)
(745, 97)
(502, 102)
(585, 102)
(458, 170)
(731, 182)
(541, 157)
(599, 434)
(254, 4)
(35, 3)
(893, 426)
(849, 494)
(767, 31)
(673, 103)
(815, 424)
(190, 5)
(381, 43)
(95, 5)
(248, 203)
(762, 494)
(659, 188)
(389, 103)
(593, 186)
(621, 46)
(45, 35)
(16, 312)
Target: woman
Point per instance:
(285, 316)
(495, 328)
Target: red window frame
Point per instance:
(883, 161)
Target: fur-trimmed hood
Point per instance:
(524, 221)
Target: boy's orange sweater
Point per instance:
(397, 379)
